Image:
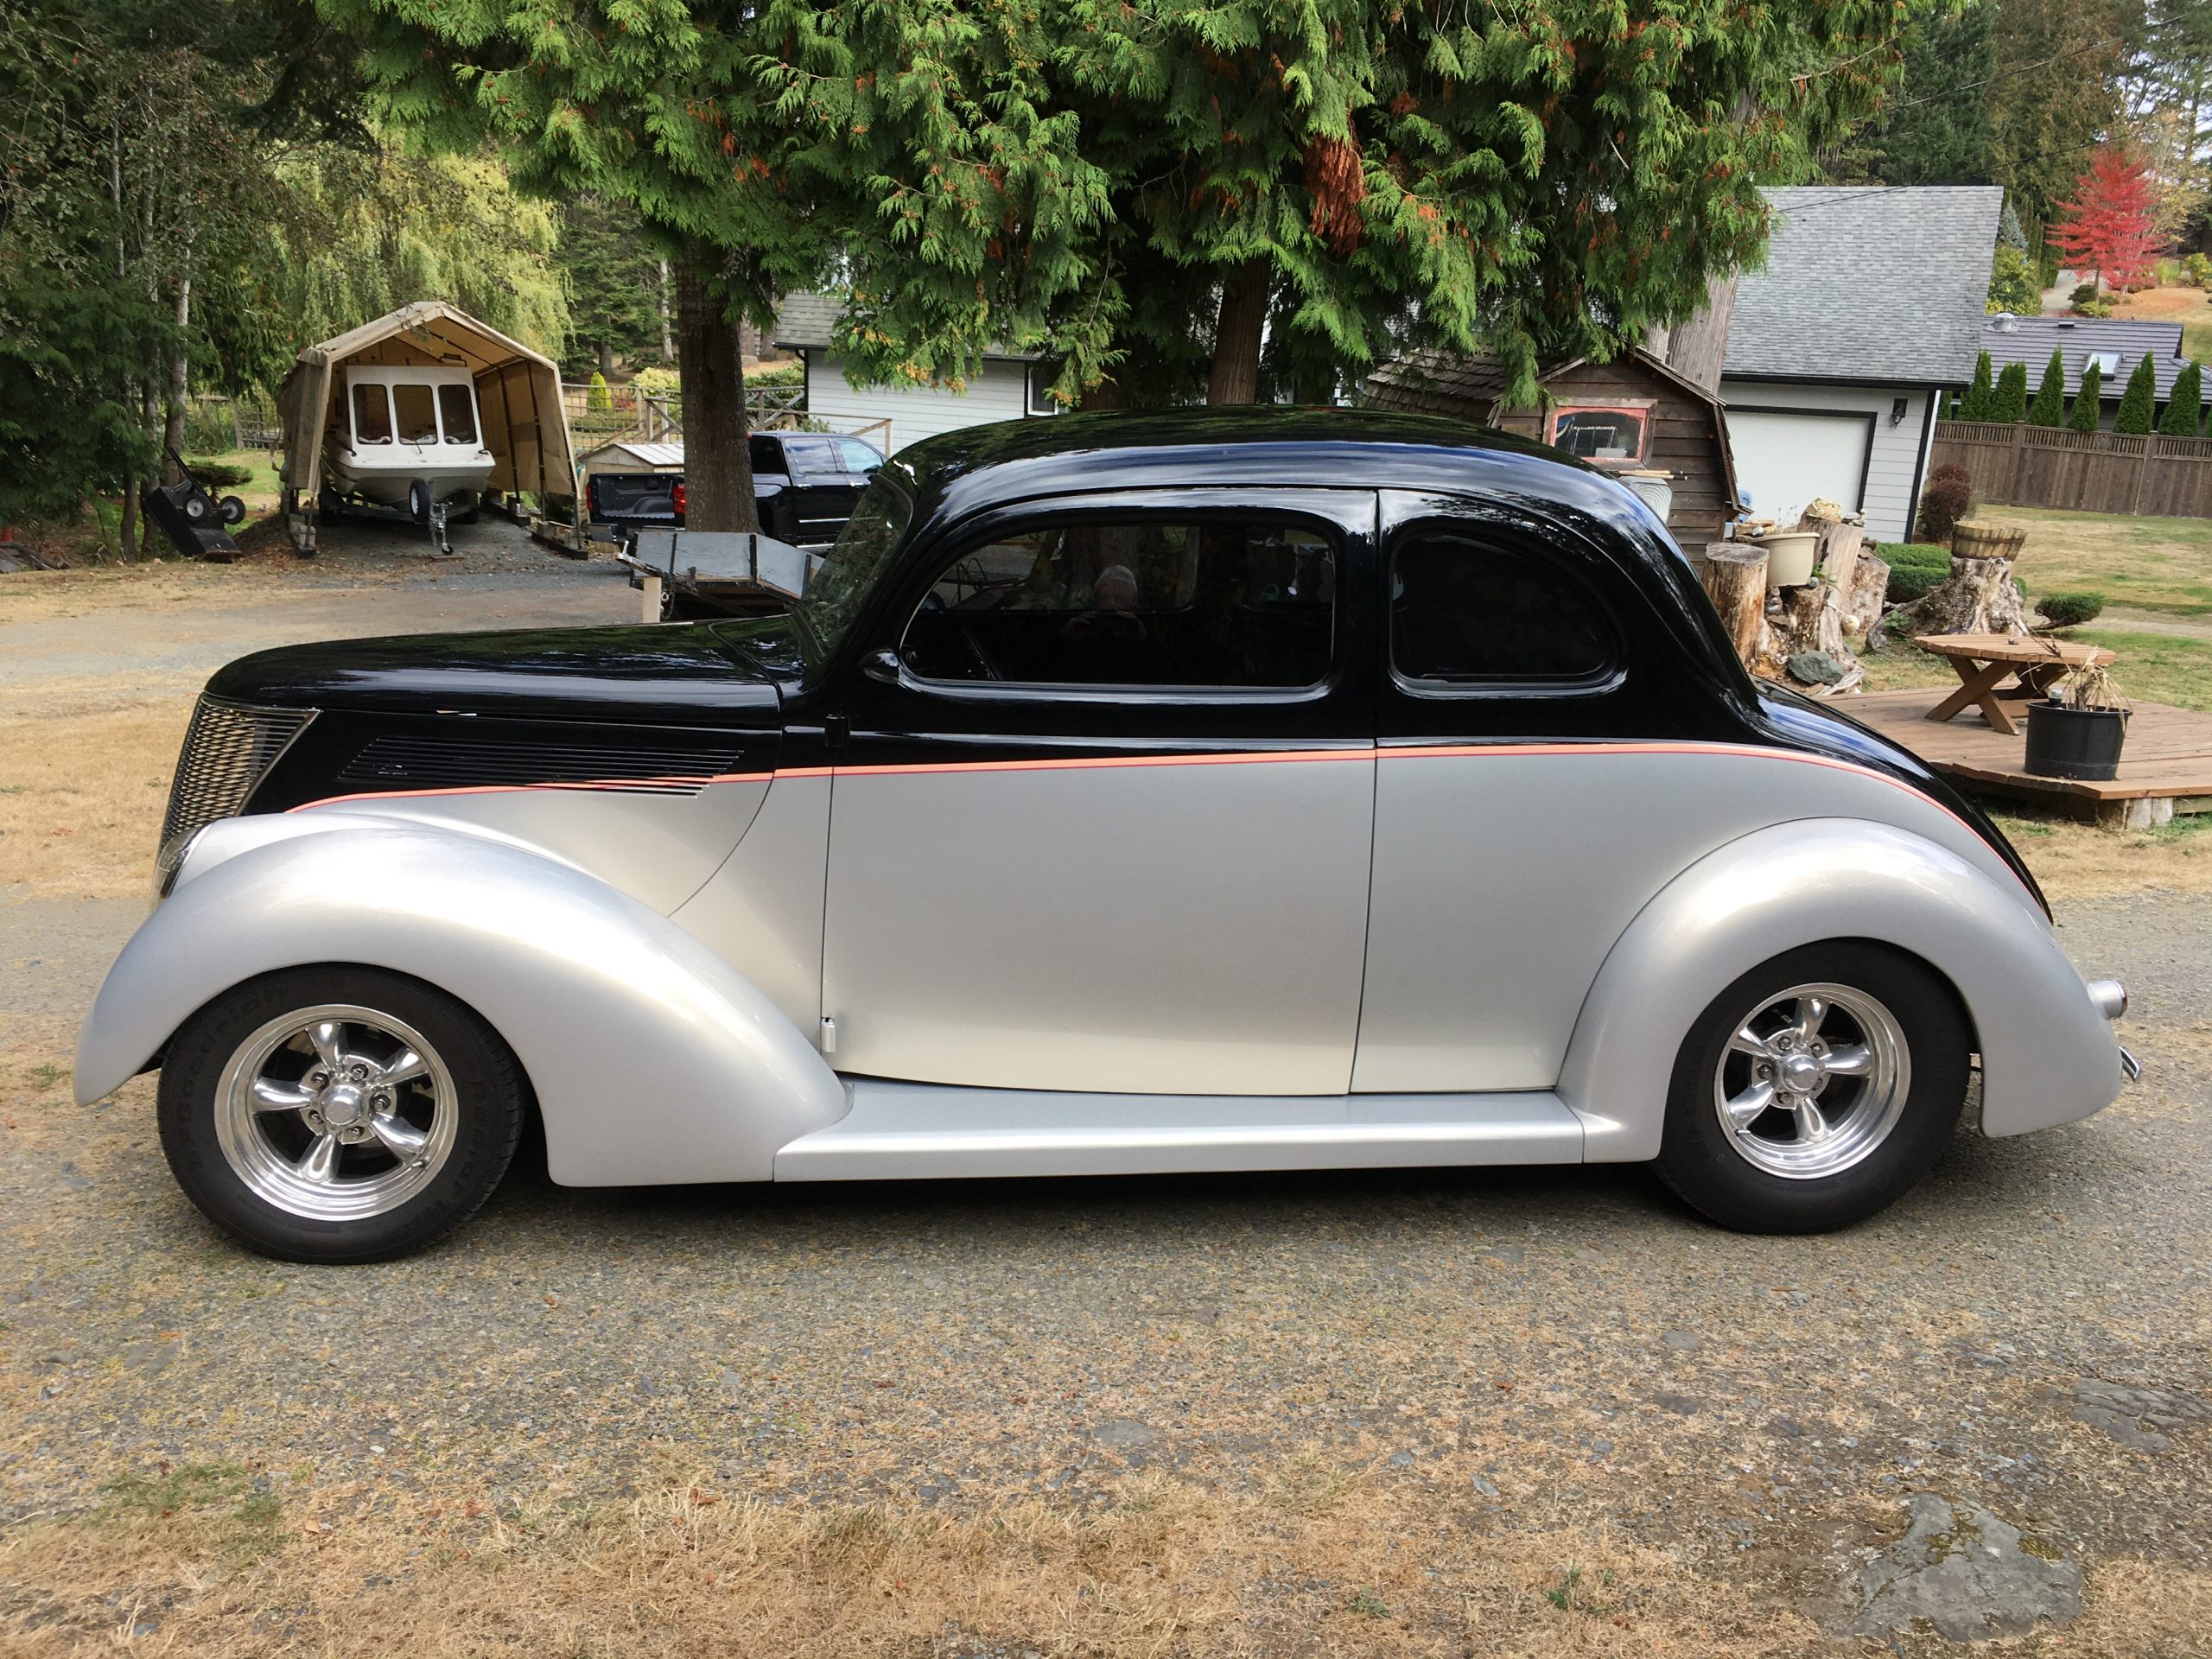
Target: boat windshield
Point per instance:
(854, 564)
(416, 413)
(458, 411)
(371, 416)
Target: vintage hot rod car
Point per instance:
(1289, 788)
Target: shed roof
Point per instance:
(808, 321)
(637, 451)
(1873, 283)
(2031, 340)
(1441, 383)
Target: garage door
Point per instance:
(1785, 458)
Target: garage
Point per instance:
(1785, 458)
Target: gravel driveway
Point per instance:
(2027, 1334)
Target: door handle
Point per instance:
(882, 666)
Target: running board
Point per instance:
(900, 1131)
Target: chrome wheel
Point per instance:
(336, 1113)
(1813, 1081)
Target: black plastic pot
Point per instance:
(2082, 743)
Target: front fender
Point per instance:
(652, 1058)
(2047, 1055)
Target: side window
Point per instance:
(1464, 610)
(372, 415)
(415, 413)
(1218, 602)
(859, 457)
(766, 455)
(458, 412)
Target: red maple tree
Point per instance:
(2110, 226)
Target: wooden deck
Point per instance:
(2165, 768)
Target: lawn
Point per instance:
(2152, 667)
(2145, 564)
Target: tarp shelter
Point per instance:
(518, 393)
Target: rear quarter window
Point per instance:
(1466, 611)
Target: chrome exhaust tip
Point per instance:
(2110, 997)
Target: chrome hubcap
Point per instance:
(1813, 1081)
(336, 1113)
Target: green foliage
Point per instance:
(2009, 403)
(2197, 269)
(2050, 406)
(1925, 556)
(219, 474)
(1910, 582)
(2184, 406)
(2138, 404)
(2055, 91)
(662, 378)
(612, 269)
(2012, 284)
(2070, 610)
(1935, 128)
(2083, 417)
(598, 399)
(1974, 406)
(2084, 294)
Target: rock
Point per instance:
(1814, 668)
(1684, 1341)
(2142, 1418)
(1970, 1576)
(1127, 1431)
(1507, 1255)
(1680, 1404)
(1484, 1487)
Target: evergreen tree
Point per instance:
(2009, 404)
(1934, 127)
(612, 272)
(2140, 401)
(2185, 409)
(1974, 406)
(2088, 402)
(2050, 406)
(2054, 92)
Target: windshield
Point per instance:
(855, 562)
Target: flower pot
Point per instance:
(1789, 558)
(2082, 743)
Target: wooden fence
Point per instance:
(2085, 471)
(651, 416)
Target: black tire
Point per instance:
(198, 508)
(420, 499)
(1699, 1159)
(230, 509)
(490, 1105)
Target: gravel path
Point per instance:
(2028, 1332)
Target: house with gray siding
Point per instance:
(1870, 307)
(1009, 386)
(2117, 345)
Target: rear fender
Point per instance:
(653, 1060)
(2047, 1055)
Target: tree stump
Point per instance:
(1735, 577)
(1977, 597)
(1867, 600)
(1840, 545)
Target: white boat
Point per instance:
(406, 427)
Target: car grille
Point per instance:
(227, 750)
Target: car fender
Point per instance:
(2048, 1056)
(653, 1060)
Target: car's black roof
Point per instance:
(980, 466)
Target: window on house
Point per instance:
(1134, 602)
(2107, 364)
(1615, 435)
(1464, 610)
(1041, 401)
(372, 415)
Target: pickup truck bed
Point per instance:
(805, 483)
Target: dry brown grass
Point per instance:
(199, 1562)
(81, 798)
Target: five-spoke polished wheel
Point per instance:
(338, 1114)
(1813, 1082)
(1816, 1089)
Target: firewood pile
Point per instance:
(1803, 634)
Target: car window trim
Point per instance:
(1010, 520)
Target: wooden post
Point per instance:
(1735, 577)
(652, 600)
(1839, 554)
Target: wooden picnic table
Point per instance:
(1985, 661)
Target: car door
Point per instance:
(1547, 763)
(1103, 819)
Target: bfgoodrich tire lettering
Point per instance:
(412, 1128)
(1816, 1090)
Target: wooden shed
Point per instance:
(1633, 415)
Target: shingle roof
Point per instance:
(2031, 340)
(807, 321)
(1435, 383)
(1872, 283)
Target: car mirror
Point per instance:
(882, 665)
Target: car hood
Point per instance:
(667, 675)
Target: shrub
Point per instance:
(2138, 404)
(598, 399)
(2009, 403)
(2087, 404)
(2196, 269)
(2185, 409)
(2012, 284)
(657, 379)
(2050, 406)
(2097, 307)
(2069, 610)
(1974, 406)
(2084, 294)
(219, 474)
(1921, 555)
(1944, 502)
(1910, 582)
(784, 374)
(209, 425)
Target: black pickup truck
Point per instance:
(805, 482)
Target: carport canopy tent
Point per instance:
(518, 395)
